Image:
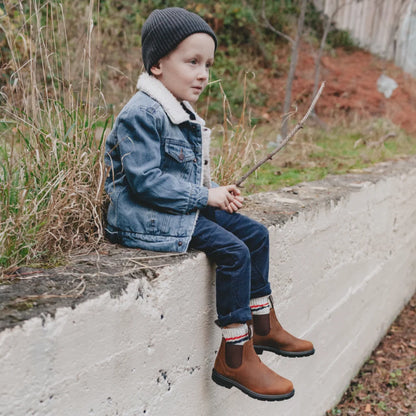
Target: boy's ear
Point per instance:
(156, 70)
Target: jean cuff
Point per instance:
(263, 291)
(239, 316)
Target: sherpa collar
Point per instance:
(173, 108)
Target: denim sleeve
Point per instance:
(140, 152)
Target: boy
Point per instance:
(162, 199)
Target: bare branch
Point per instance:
(268, 25)
(329, 20)
(383, 139)
(293, 64)
(285, 140)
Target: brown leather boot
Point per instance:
(239, 366)
(270, 336)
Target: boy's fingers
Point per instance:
(232, 208)
(233, 189)
(230, 197)
(237, 203)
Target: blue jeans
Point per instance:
(240, 248)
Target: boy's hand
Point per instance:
(227, 198)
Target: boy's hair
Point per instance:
(165, 29)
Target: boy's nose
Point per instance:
(203, 73)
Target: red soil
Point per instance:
(351, 87)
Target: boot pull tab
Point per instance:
(233, 355)
(261, 324)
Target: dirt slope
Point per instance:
(351, 87)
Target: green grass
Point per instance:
(315, 153)
(269, 177)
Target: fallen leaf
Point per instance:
(367, 408)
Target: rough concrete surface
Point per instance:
(129, 332)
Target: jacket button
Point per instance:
(195, 160)
(179, 243)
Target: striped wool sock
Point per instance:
(260, 306)
(237, 335)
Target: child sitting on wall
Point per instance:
(162, 199)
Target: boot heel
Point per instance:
(221, 380)
(258, 350)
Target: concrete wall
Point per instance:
(343, 266)
(384, 27)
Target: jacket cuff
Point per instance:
(199, 198)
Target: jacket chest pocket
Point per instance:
(179, 151)
(179, 157)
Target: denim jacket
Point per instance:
(156, 184)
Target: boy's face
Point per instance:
(184, 72)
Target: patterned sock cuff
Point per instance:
(237, 336)
(260, 306)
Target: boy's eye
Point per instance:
(193, 61)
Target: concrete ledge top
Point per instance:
(32, 293)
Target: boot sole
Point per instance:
(292, 354)
(228, 383)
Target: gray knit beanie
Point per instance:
(165, 29)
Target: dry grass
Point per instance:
(51, 170)
(234, 149)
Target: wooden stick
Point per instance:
(286, 139)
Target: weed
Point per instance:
(382, 406)
(394, 378)
(24, 306)
(50, 148)
(234, 150)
